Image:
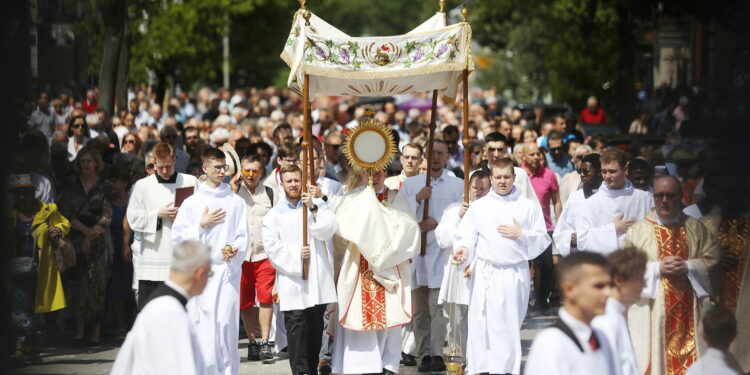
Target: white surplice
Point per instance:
(615, 327)
(282, 240)
(216, 312)
(152, 247)
(162, 341)
(566, 224)
(555, 353)
(595, 226)
(500, 282)
(427, 270)
(455, 287)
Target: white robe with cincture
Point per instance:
(500, 283)
(594, 224)
(216, 312)
(162, 342)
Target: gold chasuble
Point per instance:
(664, 323)
(373, 245)
(734, 283)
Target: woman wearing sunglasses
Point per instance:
(132, 144)
(78, 133)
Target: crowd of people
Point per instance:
(640, 247)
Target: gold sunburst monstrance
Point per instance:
(369, 147)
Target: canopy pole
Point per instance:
(465, 140)
(311, 148)
(430, 138)
(305, 146)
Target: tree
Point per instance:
(114, 20)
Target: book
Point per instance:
(181, 194)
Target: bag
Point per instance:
(65, 255)
(21, 267)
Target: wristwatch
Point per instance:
(325, 198)
(313, 208)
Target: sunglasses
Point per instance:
(556, 149)
(75, 126)
(125, 141)
(451, 142)
(660, 196)
(335, 147)
(254, 173)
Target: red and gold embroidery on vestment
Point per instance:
(734, 235)
(373, 293)
(679, 325)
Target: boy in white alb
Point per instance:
(626, 268)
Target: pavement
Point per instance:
(67, 359)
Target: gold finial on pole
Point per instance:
(442, 6)
(303, 4)
(307, 16)
(465, 14)
(368, 113)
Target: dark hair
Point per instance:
(252, 158)
(452, 129)
(569, 265)
(613, 155)
(265, 146)
(627, 263)
(287, 150)
(414, 127)
(85, 125)
(719, 327)
(495, 137)
(480, 173)
(639, 164)
(593, 159)
(279, 128)
(554, 136)
(212, 153)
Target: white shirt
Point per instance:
(282, 240)
(553, 352)
(257, 206)
(714, 362)
(595, 226)
(427, 270)
(615, 328)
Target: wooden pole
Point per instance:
(430, 138)
(311, 149)
(305, 146)
(465, 140)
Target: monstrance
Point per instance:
(369, 147)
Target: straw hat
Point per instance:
(233, 160)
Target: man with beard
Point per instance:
(565, 232)
(500, 233)
(681, 250)
(191, 140)
(303, 301)
(411, 156)
(374, 276)
(606, 216)
(215, 216)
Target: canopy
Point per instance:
(430, 57)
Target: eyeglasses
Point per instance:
(660, 196)
(124, 141)
(335, 147)
(247, 173)
(219, 168)
(170, 135)
(75, 126)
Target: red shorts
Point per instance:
(256, 277)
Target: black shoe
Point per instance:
(253, 351)
(425, 365)
(324, 367)
(408, 360)
(437, 364)
(266, 353)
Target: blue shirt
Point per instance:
(561, 167)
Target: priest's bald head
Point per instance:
(502, 175)
(667, 196)
(584, 282)
(191, 266)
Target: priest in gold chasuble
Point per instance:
(732, 225)
(664, 325)
(376, 238)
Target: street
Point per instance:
(99, 360)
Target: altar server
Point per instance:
(216, 216)
(301, 301)
(163, 340)
(500, 233)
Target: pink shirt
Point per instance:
(544, 183)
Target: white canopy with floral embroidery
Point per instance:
(430, 57)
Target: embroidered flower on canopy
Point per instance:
(319, 51)
(443, 49)
(345, 55)
(418, 55)
(384, 47)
